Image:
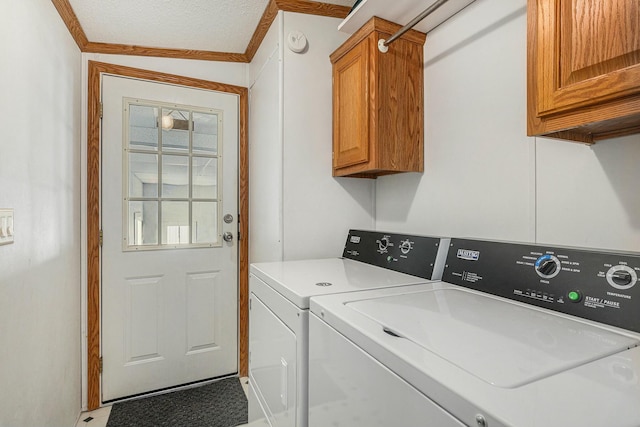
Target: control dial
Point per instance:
(547, 266)
(383, 244)
(622, 277)
(406, 246)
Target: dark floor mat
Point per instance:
(219, 404)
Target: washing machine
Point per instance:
(279, 310)
(514, 335)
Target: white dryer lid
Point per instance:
(502, 343)
(300, 280)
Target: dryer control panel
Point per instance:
(599, 286)
(420, 256)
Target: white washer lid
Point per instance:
(298, 280)
(504, 344)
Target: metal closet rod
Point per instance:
(428, 11)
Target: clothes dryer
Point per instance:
(279, 310)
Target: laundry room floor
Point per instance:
(100, 416)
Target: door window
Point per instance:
(172, 176)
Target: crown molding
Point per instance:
(71, 21)
(124, 49)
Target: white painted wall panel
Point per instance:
(588, 195)
(297, 209)
(270, 42)
(40, 82)
(265, 150)
(223, 72)
(318, 209)
(483, 177)
(477, 158)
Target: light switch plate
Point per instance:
(6, 226)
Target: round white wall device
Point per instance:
(296, 41)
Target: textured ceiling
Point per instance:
(212, 25)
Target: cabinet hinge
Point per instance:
(100, 238)
(100, 367)
(101, 110)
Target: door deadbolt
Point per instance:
(228, 218)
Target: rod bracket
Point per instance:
(382, 46)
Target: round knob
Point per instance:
(227, 236)
(383, 243)
(622, 277)
(405, 246)
(547, 266)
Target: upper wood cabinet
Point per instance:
(583, 68)
(378, 103)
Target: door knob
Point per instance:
(227, 236)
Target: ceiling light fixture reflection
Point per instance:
(167, 122)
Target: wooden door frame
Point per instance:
(96, 70)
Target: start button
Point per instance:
(574, 296)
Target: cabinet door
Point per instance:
(588, 52)
(351, 107)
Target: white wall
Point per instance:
(298, 210)
(233, 73)
(40, 81)
(319, 210)
(588, 195)
(483, 177)
(265, 148)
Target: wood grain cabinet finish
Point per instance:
(378, 103)
(583, 68)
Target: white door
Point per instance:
(169, 279)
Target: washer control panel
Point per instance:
(599, 286)
(420, 256)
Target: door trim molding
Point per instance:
(95, 72)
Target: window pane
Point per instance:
(175, 223)
(175, 129)
(175, 176)
(143, 127)
(205, 178)
(143, 223)
(205, 132)
(172, 160)
(205, 220)
(143, 175)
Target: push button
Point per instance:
(574, 296)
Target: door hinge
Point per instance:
(250, 303)
(100, 367)
(101, 110)
(100, 238)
